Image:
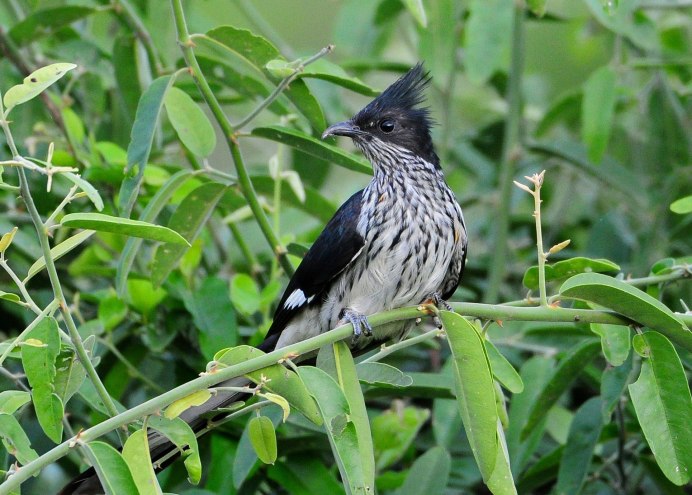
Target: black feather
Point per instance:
(335, 248)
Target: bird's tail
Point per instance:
(197, 417)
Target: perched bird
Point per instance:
(400, 241)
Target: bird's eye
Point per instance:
(387, 126)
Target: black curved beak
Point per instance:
(346, 128)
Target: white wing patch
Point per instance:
(295, 300)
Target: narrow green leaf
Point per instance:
(682, 206)
(662, 401)
(615, 341)
(475, 389)
(45, 22)
(7, 238)
(438, 46)
(315, 204)
(245, 294)
(305, 475)
(152, 210)
(487, 40)
(70, 373)
(598, 107)
(113, 472)
(190, 122)
(188, 220)
(415, 7)
(180, 433)
(58, 252)
(15, 440)
(564, 375)
(503, 370)
(263, 438)
(11, 400)
(124, 226)
(568, 268)
(125, 68)
(328, 71)
(9, 296)
(138, 459)
(380, 374)
(194, 399)
(579, 448)
(537, 6)
(85, 186)
(34, 84)
(429, 473)
(313, 146)
(630, 302)
(501, 481)
(613, 384)
(143, 130)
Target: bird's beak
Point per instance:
(346, 128)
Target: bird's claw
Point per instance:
(435, 299)
(361, 325)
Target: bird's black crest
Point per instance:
(401, 102)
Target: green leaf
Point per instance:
(141, 139)
(9, 296)
(282, 381)
(39, 365)
(111, 312)
(125, 68)
(46, 22)
(189, 218)
(245, 461)
(537, 6)
(393, 433)
(180, 433)
(315, 204)
(85, 186)
(613, 383)
(305, 475)
(475, 389)
(7, 238)
(429, 473)
(194, 399)
(34, 84)
(124, 226)
(328, 71)
(579, 448)
(137, 457)
(334, 409)
(501, 481)
(598, 107)
(567, 268)
(380, 374)
(313, 146)
(415, 7)
(58, 252)
(258, 52)
(11, 400)
(630, 302)
(263, 438)
(15, 440)
(152, 210)
(113, 472)
(190, 122)
(245, 294)
(564, 375)
(682, 206)
(213, 315)
(503, 371)
(615, 341)
(487, 40)
(144, 297)
(70, 373)
(662, 401)
(438, 46)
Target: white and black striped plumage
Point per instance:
(396, 243)
(393, 244)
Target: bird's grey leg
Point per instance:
(436, 300)
(358, 320)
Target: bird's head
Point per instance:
(393, 121)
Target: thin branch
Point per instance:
(246, 187)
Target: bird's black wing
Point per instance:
(337, 246)
(457, 263)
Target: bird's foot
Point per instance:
(360, 322)
(435, 300)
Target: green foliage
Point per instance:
(139, 250)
